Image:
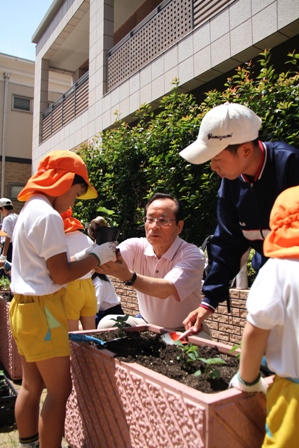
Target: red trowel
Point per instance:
(172, 337)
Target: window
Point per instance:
(21, 103)
(14, 190)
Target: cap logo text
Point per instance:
(219, 137)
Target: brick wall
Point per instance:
(15, 173)
(128, 297)
(226, 328)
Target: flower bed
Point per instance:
(120, 404)
(9, 356)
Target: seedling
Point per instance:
(190, 355)
(4, 283)
(236, 347)
(121, 323)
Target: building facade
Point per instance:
(16, 121)
(121, 54)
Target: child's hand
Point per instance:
(105, 252)
(257, 386)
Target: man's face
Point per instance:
(228, 164)
(159, 236)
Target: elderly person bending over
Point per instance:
(165, 270)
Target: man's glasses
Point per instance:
(163, 222)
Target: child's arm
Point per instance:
(248, 378)
(254, 343)
(63, 271)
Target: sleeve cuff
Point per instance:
(208, 307)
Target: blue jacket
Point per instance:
(243, 214)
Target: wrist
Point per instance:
(96, 256)
(131, 280)
(246, 383)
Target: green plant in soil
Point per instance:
(190, 355)
(236, 347)
(4, 283)
(121, 323)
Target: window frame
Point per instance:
(10, 188)
(22, 97)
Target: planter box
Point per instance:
(7, 407)
(9, 356)
(117, 404)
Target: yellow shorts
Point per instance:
(80, 299)
(282, 429)
(39, 326)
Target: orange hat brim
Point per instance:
(55, 176)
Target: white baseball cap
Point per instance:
(227, 124)
(4, 202)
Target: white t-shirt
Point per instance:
(182, 264)
(105, 294)
(77, 241)
(38, 236)
(9, 223)
(273, 304)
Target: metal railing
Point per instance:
(66, 108)
(163, 27)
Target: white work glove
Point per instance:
(3, 257)
(258, 386)
(104, 252)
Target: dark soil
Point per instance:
(148, 349)
(6, 295)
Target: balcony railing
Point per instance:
(161, 29)
(66, 108)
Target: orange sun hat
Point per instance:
(55, 175)
(70, 223)
(283, 240)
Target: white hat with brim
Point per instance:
(5, 202)
(224, 125)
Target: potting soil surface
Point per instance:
(148, 349)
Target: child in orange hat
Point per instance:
(41, 269)
(272, 325)
(80, 299)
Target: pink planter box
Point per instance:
(9, 356)
(124, 405)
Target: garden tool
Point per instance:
(172, 337)
(76, 337)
